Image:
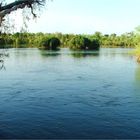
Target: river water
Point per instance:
(69, 94)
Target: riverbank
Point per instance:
(137, 54)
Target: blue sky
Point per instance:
(88, 16)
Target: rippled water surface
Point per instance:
(68, 94)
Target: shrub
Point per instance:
(94, 45)
(2, 43)
(50, 43)
(82, 43)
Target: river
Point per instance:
(65, 94)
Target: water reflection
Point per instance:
(49, 53)
(3, 55)
(137, 76)
(2, 65)
(114, 52)
(66, 51)
(137, 84)
(80, 54)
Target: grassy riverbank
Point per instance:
(136, 52)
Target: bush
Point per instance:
(82, 43)
(50, 43)
(2, 43)
(94, 45)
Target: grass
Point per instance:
(137, 53)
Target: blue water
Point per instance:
(71, 95)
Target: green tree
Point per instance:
(50, 43)
(137, 43)
(82, 43)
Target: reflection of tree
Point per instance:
(80, 54)
(49, 53)
(137, 75)
(2, 65)
(137, 82)
(2, 57)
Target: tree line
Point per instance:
(44, 40)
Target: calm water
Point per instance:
(70, 95)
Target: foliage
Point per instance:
(2, 41)
(94, 44)
(83, 43)
(127, 40)
(50, 43)
(137, 43)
